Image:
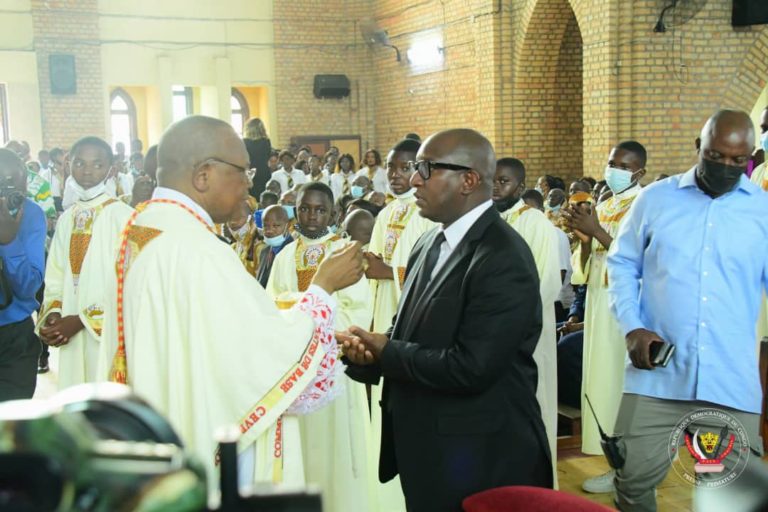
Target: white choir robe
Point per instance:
(605, 351)
(758, 178)
(96, 225)
(207, 347)
(385, 240)
(336, 439)
(541, 237)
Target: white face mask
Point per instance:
(618, 180)
(91, 193)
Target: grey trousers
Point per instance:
(646, 425)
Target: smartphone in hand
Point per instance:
(661, 353)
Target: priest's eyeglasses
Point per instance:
(249, 173)
(425, 167)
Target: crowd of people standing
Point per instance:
(507, 301)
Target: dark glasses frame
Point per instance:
(425, 167)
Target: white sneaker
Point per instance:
(602, 484)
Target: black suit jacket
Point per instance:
(459, 402)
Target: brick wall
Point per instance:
(671, 83)
(511, 71)
(547, 114)
(69, 27)
(462, 93)
(567, 122)
(322, 37)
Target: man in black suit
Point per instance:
(459, 408)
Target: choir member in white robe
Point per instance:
(336, 439)
(80, 261)
(604, 348)
(195, 335)
(541, 237)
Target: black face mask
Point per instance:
(505, 204)
(717, 178)
(312, 236)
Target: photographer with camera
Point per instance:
(22, 263)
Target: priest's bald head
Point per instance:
(455, 174)
(205, 159)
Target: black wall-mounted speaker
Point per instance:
(749, 12)
(331, 86)
(62, 73)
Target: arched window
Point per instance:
(122, 115)
(239, 110)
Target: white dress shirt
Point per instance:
(281, 176)
(456, 232)
(337, 183)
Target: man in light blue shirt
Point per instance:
(688, 267)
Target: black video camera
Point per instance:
(13, 197)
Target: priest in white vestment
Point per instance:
(196, 336)
(336, 439)
(80, 261)
(541, 237)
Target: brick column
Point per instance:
(69, 27)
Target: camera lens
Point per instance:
(15, 200)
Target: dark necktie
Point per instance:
(425, 273)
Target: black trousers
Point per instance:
(19, 350)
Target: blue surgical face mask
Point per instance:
(275, 241)
(290, 210)
(764, 141)
(333, 229)
(618, 180)
(553, 209)
(356, 191)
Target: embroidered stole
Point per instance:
(398, 219)
(82, 228)
(308, 258)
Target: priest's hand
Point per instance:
(59, 331)
(377, 269)
(354, 350)
(341, 269)
(639, 347)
